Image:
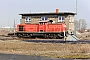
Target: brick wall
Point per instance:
(36, 19)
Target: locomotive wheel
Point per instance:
(29, 35)
(54, 36)
(20, 35)
(59, 36)
(51, 36)
(26, 35)
(46, 36)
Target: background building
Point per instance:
(56, 17)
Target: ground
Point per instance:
(84, 36)
(55, 50)
(12, 45)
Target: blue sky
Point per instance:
(9, 9)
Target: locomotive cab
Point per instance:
(43, 26)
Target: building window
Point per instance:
(27, 19)
(44, 18)
(20, 20)
(61, 18)
(71, 19)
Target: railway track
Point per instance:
(37, 40)
(59, 41)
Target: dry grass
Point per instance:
(45, 49)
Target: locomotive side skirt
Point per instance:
(43, 34)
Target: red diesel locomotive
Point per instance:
(47, 29)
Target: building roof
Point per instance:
(50, 13)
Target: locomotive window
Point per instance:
(21, 28)
(44, 23)
(41, 23)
